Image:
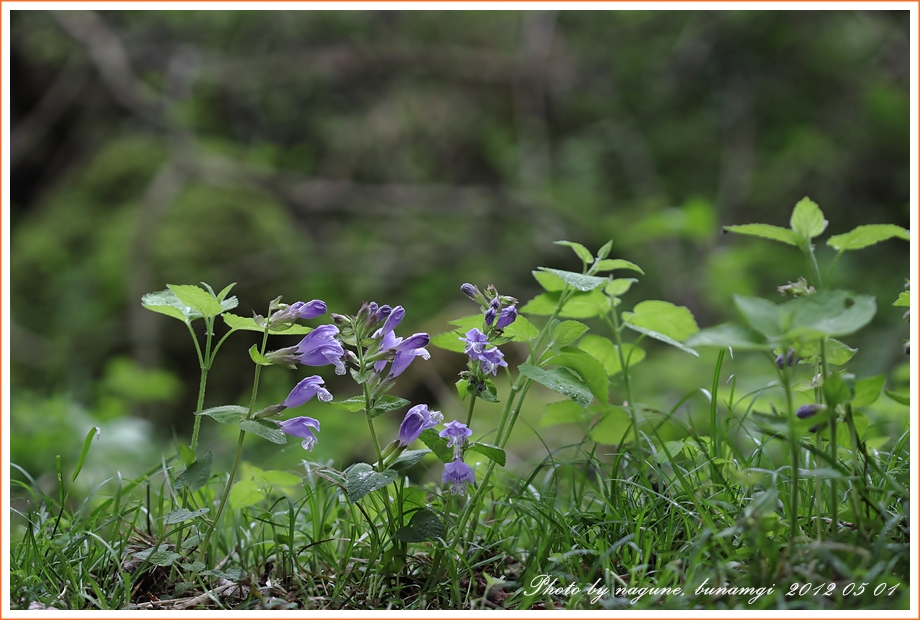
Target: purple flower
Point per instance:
(507, 317)
(458, 474)
(300, 310)
(417, 420)
(393, 319)
(455, 433)
(319, 348)
(470, 291)
(406, 350)
(475, 342)
(489, 316)
(302, 427)
(491, 359)
(305, 390)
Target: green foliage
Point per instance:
(361, 479)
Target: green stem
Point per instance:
(825, 372)
(713, 408)
(813, 262)
(469, 413)
(614, 324)
(794, 441)
(854, 446)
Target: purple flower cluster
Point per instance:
(457, 473)
(475, 346)
(418, 419)
(403, 350)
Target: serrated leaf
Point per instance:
(726, 336)
(864, 236)
(279, 478)
(158, 557)
(521, 330)
(407, 459)
(903, 300)
(603, 350)
(559, 380)
(437, 444)
(361, 479)
(766, 231)
(619, 286)
(196, 475)
(362, 376)
(580, 306)
(264, 429)
(424, 525)
(807, 219)
(245, 493)
(166, 302)
(763, 315)
(662, 338)
(386, 403)
(563, 412)
(676, 322)
(193, 567)
(550, 283)
(866, 391)
(828, 313)
(355, 403)
(186, 454)
(838, 353)
(835, 390)
(580, 250)
(493, 453)
(225, 414)
(610, 264)
(248, 324)
(576, 280)
(462, 388)
(231, 574)
(588, 368)
(181, 514)
(613, 429)
(257, 357)
(197, 298)
(567, 332)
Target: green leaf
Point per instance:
(763, 315)
(450, 341)
(467, 323)
(361, 377)
(257, 357)
(766, 231)
(559, 380)
(613, 428)
(828, 313)
(676, 322)
(408, 458)
(567, 332)
(835, 390)
(279, 478)
(388, 403)
(591, 371)
(903, 300)
(462, 386)
(580, 250)
(493, 453)
(361, 479)
(604, 252)
(196, 475)
(226, 414)
(181, 514)
(166, 302)
(158, 557)
(662, 338)
(197, 298)
(563, 412)
(437, 444)
(903, 399)
(424, 525)
(245, 493)
(619, 287)
(549, 282)
(866, 391)
(186, 454)
(603, 350)
(223, 294)
(864, 236)
(807, 219)
(264, 429)
(521, 330)
(610, 264)
(728, 335)
(248, 324)
(355, 403)
(489, 394)
(838, 353)
(576, 280)
(87, 444)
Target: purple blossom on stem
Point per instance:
(393, 319)
(302, 427)
(305, 390)
(455, 433)
(417, 419)
(405, 350)
(475, 342)
(491, 359)
(319, 348)
(507, 317)
(300, 310)
(489, 316)
(458, 474)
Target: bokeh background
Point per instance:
(392, 156)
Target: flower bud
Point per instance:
(489, 316)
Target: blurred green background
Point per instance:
(392, 156)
